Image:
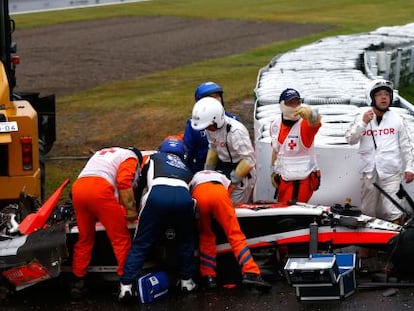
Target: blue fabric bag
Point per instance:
(153, 287)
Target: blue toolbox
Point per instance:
(322, 276)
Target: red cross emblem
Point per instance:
(292, 144)
(104, 151)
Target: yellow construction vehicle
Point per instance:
(27, 125)
(33, 247)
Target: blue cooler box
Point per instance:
(153, 287)
(322, 276)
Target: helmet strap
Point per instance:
(222, 99)
(382, 111)
(216, 126)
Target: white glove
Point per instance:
(235, 179)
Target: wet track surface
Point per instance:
(54, 295)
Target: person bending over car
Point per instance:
(211, 191)
(166, 203)
(103, 192)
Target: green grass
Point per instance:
(353, 15)
(150, 106)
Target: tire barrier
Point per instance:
(332, 74)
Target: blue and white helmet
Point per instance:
(206, 89)
(174, 146)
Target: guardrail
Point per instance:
(394, 59)
(29, 6)
(395, 65)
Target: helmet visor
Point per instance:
(382, 85)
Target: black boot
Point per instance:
(256, 281)
(78, 288)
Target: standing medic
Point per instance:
(196, 140)
(230, 148)
(295, 171)
(386, 150)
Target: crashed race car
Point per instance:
(33, 249)
(40, 246)
(268, 227)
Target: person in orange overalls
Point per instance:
(210, 190)
(295, 173)
(104, 192)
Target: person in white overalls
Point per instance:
(386, 150)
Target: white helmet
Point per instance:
(207, 111)
(376, 85)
